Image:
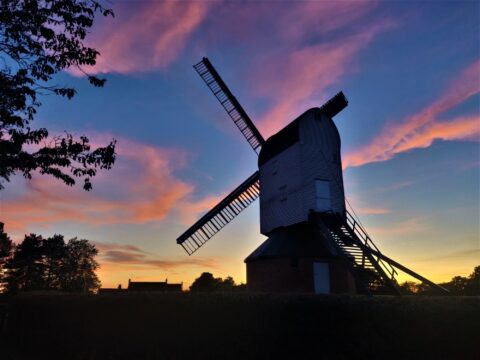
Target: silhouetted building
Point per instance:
(153, 286)
(118, 289)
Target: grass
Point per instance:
(240, 326)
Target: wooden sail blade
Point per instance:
(233, 108)
(224, 212)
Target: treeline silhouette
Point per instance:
(207, 283)
(47, 264)
(459, 285)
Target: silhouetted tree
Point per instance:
(208, 283)
(54, 253)
(227, 284)
(39, 38)
(52, 264)
(6, 247)
(26, 268)
(457, 285)
(473, 287)
(408, 287)
(78, 267)
(205, 283)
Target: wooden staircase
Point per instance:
(373, 275)
(374, 272)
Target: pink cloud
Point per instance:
(321, 17)
(124, 256)
(190, 211)
(146, 35)
(257, 23)
(421, 129)
(372, 211)
(410, 227)
(141, 187)
(302, 79)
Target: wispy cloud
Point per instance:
(302, 79)
(145, 36)
(421, 129)
(121, 255)
(372, 211)
(410, 227)
(142, 187)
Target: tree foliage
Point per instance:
(52, 264)
(6, 246)
(208, 283)
(459, 285)
(39, 38)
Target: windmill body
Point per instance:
(314, 243)
(300, 171)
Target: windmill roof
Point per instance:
(282, 140)
(297, 241)
(289, 135)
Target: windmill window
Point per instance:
(283, 187)
(283, 199)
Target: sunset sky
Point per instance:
(410, 135)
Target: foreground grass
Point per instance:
(240, 326)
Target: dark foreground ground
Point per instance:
(239, 326)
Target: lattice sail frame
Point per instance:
(224, 212)
(233, 108)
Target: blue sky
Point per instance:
(410, 135)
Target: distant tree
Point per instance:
(473, 287)
(208, 283)
(52, 264)
(78, 267)
(409, 287)
(6, 247)
(39, 38)
(458, 285)
(25, 269)
(205, 283)
(240, 287)
(227, 284)
(54, 253)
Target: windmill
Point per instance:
(314, 243)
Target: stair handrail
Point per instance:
(362, 234)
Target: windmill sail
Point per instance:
(224, 212)
(336, 104)
(233, 108)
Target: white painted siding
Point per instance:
(321, 160)
(281, 200)
(288, 182)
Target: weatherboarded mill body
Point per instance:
(300, 172)
(313, 243)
